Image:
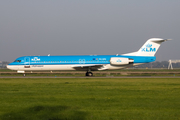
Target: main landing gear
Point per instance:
(89, 74)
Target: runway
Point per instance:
(90, 77)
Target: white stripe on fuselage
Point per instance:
(58, 67)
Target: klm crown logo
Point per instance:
(118, 60)
(36, 59)
(149, 45)
(148, 48)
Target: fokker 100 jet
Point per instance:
(88, 63)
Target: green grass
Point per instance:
(89, 98)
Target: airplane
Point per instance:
(88, 63)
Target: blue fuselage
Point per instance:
(77, 59)
(79, 62)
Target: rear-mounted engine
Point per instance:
(121, 61)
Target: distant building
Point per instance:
(3, 64)
(0, 64)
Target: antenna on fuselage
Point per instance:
(48, 54)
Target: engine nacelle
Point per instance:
(120, 61)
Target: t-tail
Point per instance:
(149, 48)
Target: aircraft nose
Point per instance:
(8, 66)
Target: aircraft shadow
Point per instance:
(46, 113)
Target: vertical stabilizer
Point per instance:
(149, 48)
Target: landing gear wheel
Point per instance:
(89, 74)
(24, 75)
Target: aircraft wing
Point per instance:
(86, 67)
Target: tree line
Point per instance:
(162, 64)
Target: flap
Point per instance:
(86, 67)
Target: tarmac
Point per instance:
(90, 77)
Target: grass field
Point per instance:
(90, 99)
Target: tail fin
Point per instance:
(149, 48)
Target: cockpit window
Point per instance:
(17, 61)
